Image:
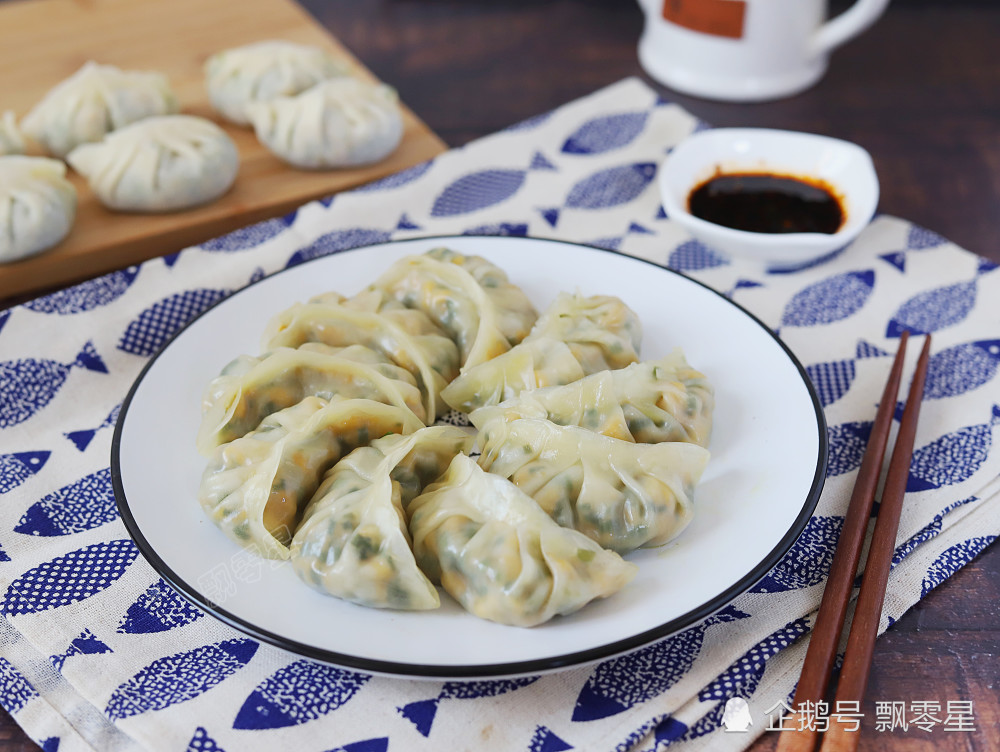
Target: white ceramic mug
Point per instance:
(745, 50)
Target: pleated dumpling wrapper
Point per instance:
(499, 555)
(649, 402)
(413, 342)
(252, 387)
(11, 140)
(353, 542)
(37, 205)
(255, 487)
(159, 164)
(577, 335)
(622, 495)
(340, 122)
(264, 70)
(467, 296)
(92, 102)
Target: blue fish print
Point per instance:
(919, 238)
(847, 446)
(4, 315)
(15, 691)
(605, 133)
(504, 229)
(4, 556)
(158, 609)
(540, 162)
(178, 678)
(807, 561)
(611, 187)
(202, 742)
(952, 560)
(405, 223)
(18, 467)
(478, 190)
(397, 179)
(927, 532)
(961, 368)
(82, 505)
(896, 259)
(545, 740)
(250, 236)
(86, 643)
(743, 677)
(85, 296)
(693, 255)
(51, 744)
(29, 384)
(338, 240)
(301, 691)
(618, 684)
(953, 457)
(936, 309)
(611, 244)
(832, 299)
(833, 380)
(81, 439)
(421, 714)
(379, 744)
(155, 325)
(69, 578)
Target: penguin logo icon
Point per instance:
(736, 717)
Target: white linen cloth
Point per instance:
(98, 653)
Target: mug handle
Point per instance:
(847, 25)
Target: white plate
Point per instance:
(761, 486)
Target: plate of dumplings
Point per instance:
(469, 457)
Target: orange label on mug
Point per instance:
(721, 18)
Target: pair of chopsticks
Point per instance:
(833, 607)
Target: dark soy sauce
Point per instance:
(769, 203)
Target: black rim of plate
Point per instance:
(485, 670)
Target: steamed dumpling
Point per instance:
(660, 400)
(11, 140)
(262, 71)
(93, 101)
(499, 555)
(256, 487)
(159, 164)
(341, 122)
(37, 205)
(353, 542)
(622, 495)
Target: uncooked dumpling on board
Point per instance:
(11, 140)
(37, 205)
(265, 70)
(159, 164)
(93, 101)
(342, 122)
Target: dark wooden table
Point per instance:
(920, 91)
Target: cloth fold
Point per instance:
(99, 653)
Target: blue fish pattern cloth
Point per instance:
(88, 620)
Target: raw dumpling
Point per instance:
(262, 71)
(622, 495)
(660, 400)
(467, 296)
(255, 488)
(11, 140)
(37, 205)
(353, 542)
(159, 164)
(575, 336)
(251, 388)
(418, 346)
(341, 122)
(499, 555)
(93, 101)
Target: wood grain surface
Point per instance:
(920, 91)
(44, 41)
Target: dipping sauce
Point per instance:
(767, 202)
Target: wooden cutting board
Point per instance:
(44, 41)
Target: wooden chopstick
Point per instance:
(867, 613)
(833, 607)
